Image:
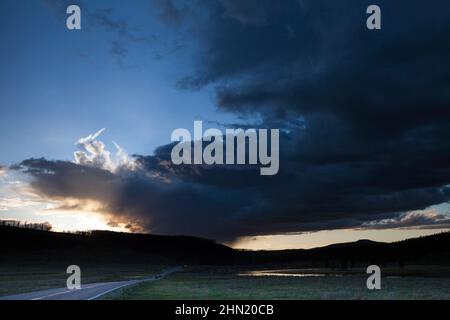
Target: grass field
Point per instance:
(226, 284)
(230, 283)
(23, 278)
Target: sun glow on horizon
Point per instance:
(81, 221)
(310, 240)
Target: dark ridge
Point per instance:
(105, 246)
(427, 250)
(26, 245)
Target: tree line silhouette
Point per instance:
(25, 245)
(43, 226)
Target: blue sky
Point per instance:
(59, 85)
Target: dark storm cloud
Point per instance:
(375, 104)
(313, 57)
(153, 199)
(225, 202)
(364, 118)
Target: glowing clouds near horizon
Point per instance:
(19, 200)
(67, 218)
(80, 215)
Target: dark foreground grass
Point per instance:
(25, 277)
(210, 284)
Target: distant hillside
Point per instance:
(361, 242)
(104, 246)
(25, 245)
(434, 249)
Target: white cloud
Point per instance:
(123, 159)
(93, 153)
(17, 202)
(16, 193)
(432, 217)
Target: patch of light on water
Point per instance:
(281, 274)
(303, 273)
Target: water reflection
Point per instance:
(286, 273)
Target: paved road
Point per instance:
(87, 292)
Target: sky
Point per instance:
(87, 115)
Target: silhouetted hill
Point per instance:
(22, 245)
(105, 246)
(434, 249)
(362, 242)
